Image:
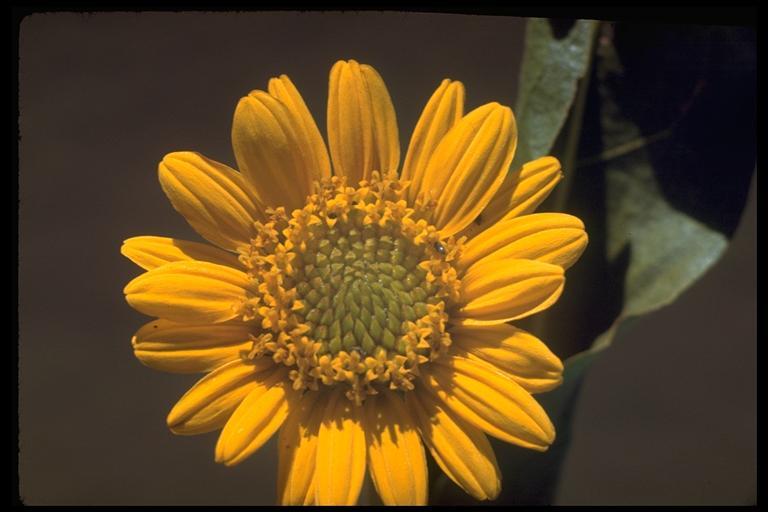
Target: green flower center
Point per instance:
(352, 288)
(361, 288)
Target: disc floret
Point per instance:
(355, 287)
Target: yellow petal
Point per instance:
(210, 402)
(340, 453)
(362, 126)
(297, 450)
(443, 110)
(396, 457)
(462, 451)
(150, 252)
(525, 358)
(283, 89)
(491, 401)
(273, 151)
(497, 291)
(211, 196)
(189, 292)
(469, 165)
(522, 191)
(256, 419)
(183, 348)
(554, 238)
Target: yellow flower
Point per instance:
(361, 313)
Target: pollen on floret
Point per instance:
(352, 289)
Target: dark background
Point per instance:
(666, 416)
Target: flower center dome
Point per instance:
(352, 288)
(360, 288)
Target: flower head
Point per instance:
(360, 311)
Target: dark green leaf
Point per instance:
(668, 249)
(665, 248)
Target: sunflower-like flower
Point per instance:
(360, 311)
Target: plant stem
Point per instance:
(573, 135)
(575, 122)
(626, 148)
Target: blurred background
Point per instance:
(660, 125)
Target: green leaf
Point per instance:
(641, 232)
(549, 78)
(666, 250)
